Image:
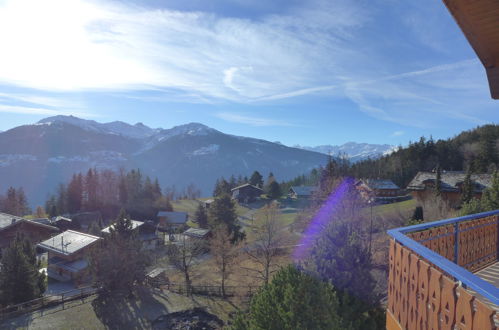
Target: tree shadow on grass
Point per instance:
(122, 312)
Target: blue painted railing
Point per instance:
(460, 274)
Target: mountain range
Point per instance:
(354, 151)
(38, 157)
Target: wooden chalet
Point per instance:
(171, 220)
(379, 190)
(246, 193)
(301, 191)
(146, 232)
(68, 256)
(422, 186)
(35, 232)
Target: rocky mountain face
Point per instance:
(354, 151)
(38, 157)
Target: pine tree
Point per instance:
(119, 262)
(467, 194)
(122, 226)
(20, 279)
(223, 211)
(293, 300)
(256, 179)
(490, 198)
(274, 190)
(201, 216)
(75, 194)
(438, 181)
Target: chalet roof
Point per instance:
(174, 217)
(303, 190)
(68, 242)
(8, 219)
(450, 181)
(246, 185)
(43, 221)
(61, 218)
(380, 184)
(135, 224)
(197, 232)
(479, 22)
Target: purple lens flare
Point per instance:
(321, 219)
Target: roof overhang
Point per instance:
(479, 21)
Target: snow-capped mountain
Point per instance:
(354, 151)
(40, 156)
(138, 130)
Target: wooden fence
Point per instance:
(46, 301)
(211, 290)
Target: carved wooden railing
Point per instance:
(471, 244)
(427, 290)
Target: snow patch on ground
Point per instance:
(208, 150)
(10, 159)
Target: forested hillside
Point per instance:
(477, 148)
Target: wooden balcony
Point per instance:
(444, 274)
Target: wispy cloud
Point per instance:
(341, 49)
(55, 102)
(250, 120)
(41, 111)
(397, 133)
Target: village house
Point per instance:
(35, 232)
(422, 186)
(67, 255)
(146, 233)
(246, 193)
(171, 221)
(379, 190)
(63, 223)
(301, 191)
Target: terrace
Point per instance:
(444, 274)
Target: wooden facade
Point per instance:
(246, 193)
(32, 231)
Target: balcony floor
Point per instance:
(491, 275)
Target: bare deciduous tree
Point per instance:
(182, 255)
(224, 253)
(269, 238)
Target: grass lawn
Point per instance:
(405, 207)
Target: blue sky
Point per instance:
(298, 72)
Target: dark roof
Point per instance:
(303, 190)
(174, 217)
(246, 185)
(43, 221)
(68, 242)
(450, 181)
(380, 184)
